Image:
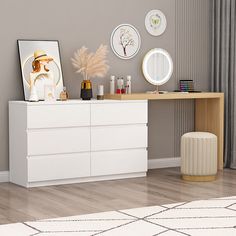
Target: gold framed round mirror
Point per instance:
(157, 66)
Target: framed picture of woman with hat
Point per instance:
(40, 67)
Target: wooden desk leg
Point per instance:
(209, 117)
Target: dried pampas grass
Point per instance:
(91, 65)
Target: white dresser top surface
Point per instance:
(73, 101)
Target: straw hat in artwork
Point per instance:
(40, 55)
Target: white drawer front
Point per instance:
(43, 168)
(119, 113)
(53, 141)
(118, 137)
(118, 162)
(48, 116)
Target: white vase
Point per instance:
(33, 94)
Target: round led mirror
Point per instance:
(157, 66)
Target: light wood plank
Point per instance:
(161, 186)
(168, 96)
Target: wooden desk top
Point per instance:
(167, 96)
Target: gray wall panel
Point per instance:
(192, 58)
(76, 23)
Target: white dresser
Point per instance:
(76, 141)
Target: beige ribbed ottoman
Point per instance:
(199, 156)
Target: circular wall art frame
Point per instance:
(125, 41)
(155, 22)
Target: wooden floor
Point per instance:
(162, 186)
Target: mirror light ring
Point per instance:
(145, 66)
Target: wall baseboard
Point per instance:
(163, 163)
(152, 164)
(4, 176)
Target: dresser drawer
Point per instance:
(62, 140)
(118, 162)
(118, 137)
(48, 116)
(119, 113)
(58, 167)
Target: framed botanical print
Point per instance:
(125, 41)
(155, 22)
(40, 67)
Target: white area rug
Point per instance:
(215, 217)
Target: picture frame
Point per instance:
(48, 52)
(155, 22)
(125, 41)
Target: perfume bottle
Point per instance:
(100, 95)
(122, 85)
(112, 84)
(128, 84)
(119, 86)
(64, 95)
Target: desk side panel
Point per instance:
(209, 117)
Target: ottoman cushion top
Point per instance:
(199, 135)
